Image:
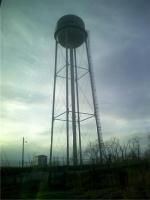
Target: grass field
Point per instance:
(89, 182)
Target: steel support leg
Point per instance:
(53, 108)
(67, 107)
(73, 108)
(94, 101)
(78, 108)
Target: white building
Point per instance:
(40, 160)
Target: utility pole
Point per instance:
(23, 152)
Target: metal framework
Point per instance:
(72, 69)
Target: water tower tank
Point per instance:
(70, 31)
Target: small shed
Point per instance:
(40, 160)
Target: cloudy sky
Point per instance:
(120, 50)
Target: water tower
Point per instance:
(70, 35)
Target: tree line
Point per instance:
(114, 151)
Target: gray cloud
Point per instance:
(121, 60)
(120, 47)
(22, 95)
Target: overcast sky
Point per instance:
(120, 50)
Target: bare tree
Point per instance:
(134, 148)
(147, 150)
(112, 150)
(92, 152)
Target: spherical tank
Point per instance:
(70, 31)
